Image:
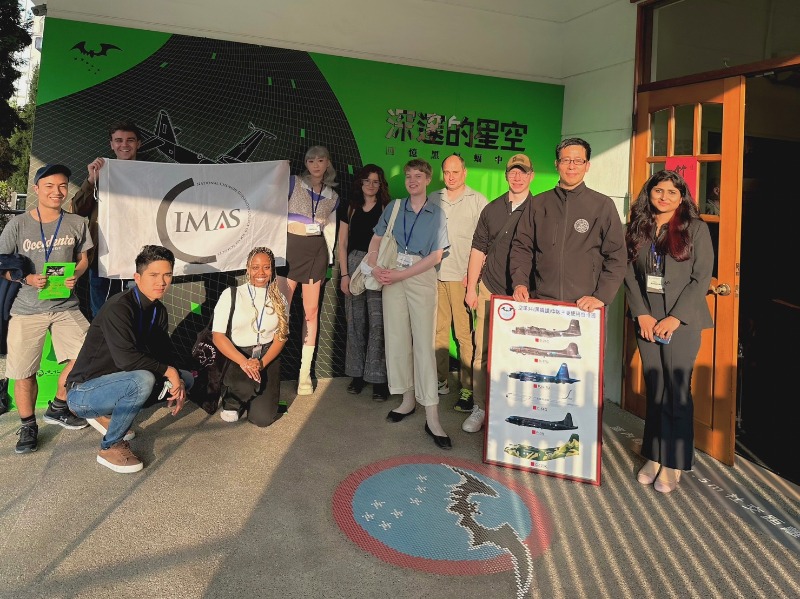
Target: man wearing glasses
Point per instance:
(571, 237)
(462, 206)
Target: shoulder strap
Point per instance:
(393, 216)
(233, 289)
(291, 185)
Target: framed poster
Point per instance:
(545, 394)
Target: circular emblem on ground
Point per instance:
(581, 225)
(444, 516)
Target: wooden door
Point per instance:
(705, 122)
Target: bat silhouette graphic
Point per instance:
(104, 48)
(504, 537)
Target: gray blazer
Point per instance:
(685, 283)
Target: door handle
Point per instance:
(721, 289)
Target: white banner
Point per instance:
(209, 215)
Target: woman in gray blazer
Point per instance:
(670, 261)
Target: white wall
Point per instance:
(597, 66)
(586, 45)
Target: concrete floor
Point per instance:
(230, 511)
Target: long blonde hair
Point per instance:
(275, 296)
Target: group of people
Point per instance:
(454, 251)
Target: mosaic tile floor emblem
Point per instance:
(444, 516)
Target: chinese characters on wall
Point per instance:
(428, 132)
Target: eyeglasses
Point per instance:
(370, 182)
(575, 161)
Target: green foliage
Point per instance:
(5, 202)
(14, 37)
(14, 165)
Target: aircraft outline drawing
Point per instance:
(164, 138)
(573, 330)
(571, 351)
(565, 424)
(561, 377)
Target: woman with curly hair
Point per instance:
(309, 247)
(259, 328)
(670, 261)
(365, 357)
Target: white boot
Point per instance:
(304, 384)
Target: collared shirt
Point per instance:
(429, 232)
(493, 237)
(462, 217)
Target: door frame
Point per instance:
(718, 439)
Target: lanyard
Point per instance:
(260, 318)
(49, 251)
(141, 312)
(407, 237)
(656, 259)
(315, 205)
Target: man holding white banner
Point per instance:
(208, 215)
(125, 143)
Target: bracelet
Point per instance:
(344, 275)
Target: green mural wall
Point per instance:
(212, 90)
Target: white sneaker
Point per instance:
(100, 424)
(444, 389)
(474, 421)
(229, 415)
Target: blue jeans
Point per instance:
(120, 395)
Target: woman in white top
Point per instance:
(259, 329)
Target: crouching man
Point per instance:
(126, 361)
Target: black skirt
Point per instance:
(306, 258)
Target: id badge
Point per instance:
(313, 229)
(256, 353)
(655, 284)
(404, 260)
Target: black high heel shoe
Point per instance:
(397, 416)
(441, 442)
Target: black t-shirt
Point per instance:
(361, 226)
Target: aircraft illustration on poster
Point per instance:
(552, 425)
(573, 330)
(165, 139)
(561, 377)
(571, 351)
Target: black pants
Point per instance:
(669, 422)
(242, 393)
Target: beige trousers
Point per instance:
(451, 308)
(481, 359)
(409, 324)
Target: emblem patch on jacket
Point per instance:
(581, 225)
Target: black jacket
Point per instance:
(123, 337)
(19, 266)
(574, 241)
(685, 283)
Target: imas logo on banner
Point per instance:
(181, 216)
(209, 215)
